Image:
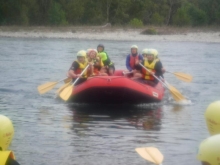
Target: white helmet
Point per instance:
(134, 47)
(144, 51)
(155, 53)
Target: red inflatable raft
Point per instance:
(116, 90)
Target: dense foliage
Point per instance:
(117, 12)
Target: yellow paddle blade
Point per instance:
(63, 87)
(183, 76)
(46, 87)
(151, 154)
(66, 93)
(176, 94)
(67, 80)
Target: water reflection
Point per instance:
(95, 120)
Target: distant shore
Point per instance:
(208, 34)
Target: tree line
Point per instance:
(116, 12)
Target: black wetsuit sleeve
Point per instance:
(160, 63)
(158, 69)
(11, 161)
(74, 66)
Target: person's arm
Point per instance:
(141, 59)
(158, 69)
(73, 68)
(128, 63)
(163, 70)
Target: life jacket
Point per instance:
(107, 62)
(81, 68)
(133, 60)
(4, 155)
(151, 68)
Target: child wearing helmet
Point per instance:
(94, 60)
(153, 65)
(6, 134)
(133, 59)
(78, 66)
(109, 66)
(155, 52)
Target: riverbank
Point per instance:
(114, 33)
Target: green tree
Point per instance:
(181, 18)
(24, 19)
(157, 19)
(120, 12)
(198, 16)
(57, 15)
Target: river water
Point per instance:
(50, 131)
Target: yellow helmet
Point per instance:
(209, 150)
(134, 47)
(212, 116)
(6, 132)
(81, 53)
(155, 53)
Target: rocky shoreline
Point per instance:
(117, 34)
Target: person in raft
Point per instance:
(133, 59)
(155, 52)
(6, 134)
(209, 149)
(78, 66)
(95, 61)
(109, 66)
(153, 65)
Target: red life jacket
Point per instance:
(133, 59)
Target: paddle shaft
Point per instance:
(80, 75)
(126, 72)
(55, 83)
(154, 75)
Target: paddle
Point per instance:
(48, 86)
(182, 76)
(151, 154)
(174, 92)
(66, 93)
(67, 80)
(63, 87)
